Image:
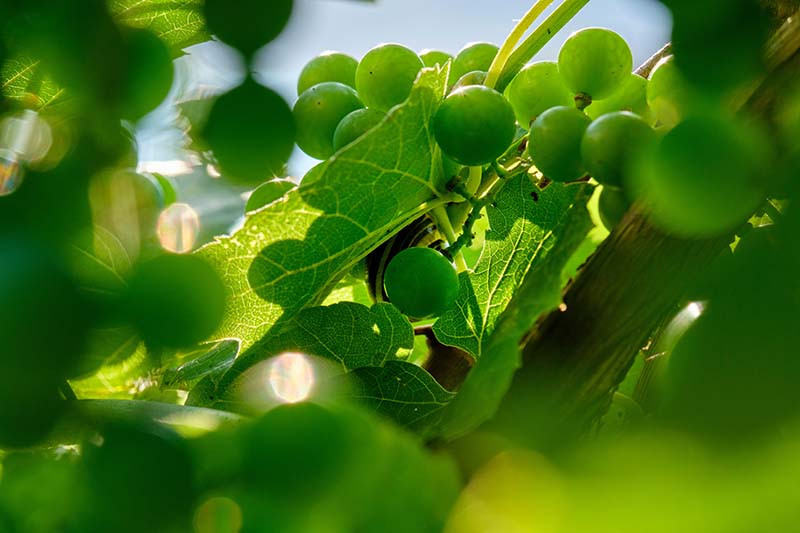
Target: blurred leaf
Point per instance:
(540, 292)
(403, 392)
(289, 255)
(521, 231)
(24, 81)
(351, 334)
(178, 22)
(101, 262)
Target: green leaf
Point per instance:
(403, 392)
(351, 334)
(179, 23)
(540, 292)
(289, 255)
(207, 360)
(521, 230)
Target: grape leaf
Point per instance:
(521, 230)
(351, 334)
(290, 254)
(100, 262)
(22, 79)
(207, 360)
(540, 292)
(179, 23)
(403, 392)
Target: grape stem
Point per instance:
(442, 221)
(537, 39)
(527, 20)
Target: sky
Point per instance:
(354, 27)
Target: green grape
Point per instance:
(317, 113)
(251, 132)
(421, 282)
(149, 73)
(669, 95)
(328, 66)
(247, 24)
(268, 192)
(535, 89)
(595, 62)
(703, 178)
(476, 77)
(609, 144)
(354, 125)
(632, 96)
(474, 56)
(141, 478)
(432, 58)
(474, 125)
(385, 75)
(175, 300)
(612, 204)
(555, 143)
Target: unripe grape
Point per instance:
(251, 132)
(328, 66)
(632, 96)
(354, 125)
(385, 75)
(474, 125)
(612, 204)
(555, 143)
(318, 111)
(669, 95)
(476, 77)
(421, 282)
(609, 144)
(431, 58)
(474, 56)
(535, 89)
(595, 62)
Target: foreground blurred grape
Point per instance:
(247, 24)
(251, 132)
(149, 73)
(140, 478)
(175, 300)
(704, 178)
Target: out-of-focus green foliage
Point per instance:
(175, 358)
